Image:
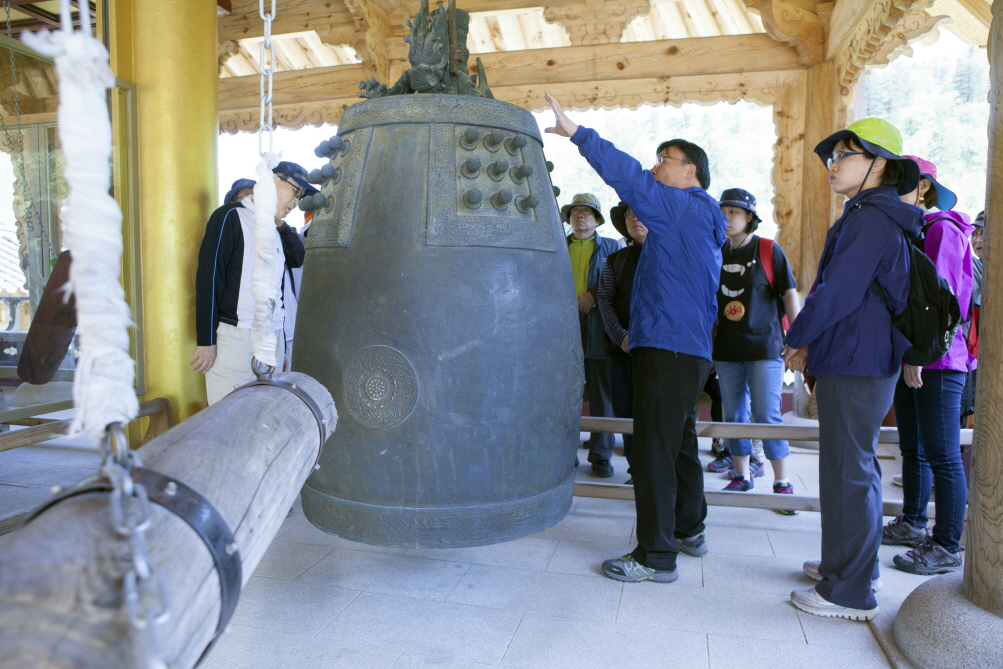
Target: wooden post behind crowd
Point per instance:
(984, 552)
(61, 575)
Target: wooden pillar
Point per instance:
(788, 171)
(984, 554)
(168, 49)
(825, 113)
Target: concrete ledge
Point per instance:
(937, 627)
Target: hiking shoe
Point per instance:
(576, 462)
(629, 570)
(629, 481)
(740, 484)
(897, 480)
(695, 545)
(900, 533)
(721, 463)
(929, 558)
(603, 469)
(811, 571)
(785, 489)
(755, 469)
(719, 446)
(811, 602)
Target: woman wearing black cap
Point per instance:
(757, 293)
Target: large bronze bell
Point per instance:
(438, 308)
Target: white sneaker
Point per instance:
(811, 602)
(897, 480)
(811, 571)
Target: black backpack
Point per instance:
(932, 317)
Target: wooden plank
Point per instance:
(979, 9)
(888, 435)
(640, 60)
(293, 87)
(736, 499)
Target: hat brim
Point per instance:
(618, 217)
(824, 151)
(567, 208)
(243, 184)
(946, 199)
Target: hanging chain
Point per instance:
(266, 78)
(144, 588)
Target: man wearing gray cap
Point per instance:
(588, 251)
(224, 306)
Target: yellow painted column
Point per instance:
(168, 49)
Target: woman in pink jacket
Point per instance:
(928, 400)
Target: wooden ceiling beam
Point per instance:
(539, 67)
(979, 9)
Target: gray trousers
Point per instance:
(597, 373)
(850, 410)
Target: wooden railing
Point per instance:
(888, 435)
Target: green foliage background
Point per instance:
(937, 98)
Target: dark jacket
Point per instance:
(220, 269)
(845, 325)
(595, 344)
(674, 302)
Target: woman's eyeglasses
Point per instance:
(837, 157)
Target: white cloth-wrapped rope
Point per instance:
(266, 287)
(103, 387)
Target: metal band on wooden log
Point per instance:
(191, 507)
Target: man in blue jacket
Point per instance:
(672, 311)
(588, 250)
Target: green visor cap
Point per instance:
(879, 138)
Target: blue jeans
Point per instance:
(756, 384)
(930, 439)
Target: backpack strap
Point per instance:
(766, 260)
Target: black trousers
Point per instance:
(668, 476)
(600, 404)
(621, 385)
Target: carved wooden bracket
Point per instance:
(379, 35)
(596, 21)
(870, 35)
(914, 26)
(802, 29)
(226, 50)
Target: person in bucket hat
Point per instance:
(928, 400)
(588, 251)
(224, 305)
(615, 287)
(844, 338)
(757, 289)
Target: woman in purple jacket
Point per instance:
(927, 401)
(844, 337)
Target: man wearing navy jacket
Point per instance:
(672, 311)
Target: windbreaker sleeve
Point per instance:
(654, 203)
(218, 246)
(607, 293)
(857, 256)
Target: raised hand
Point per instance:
(564, 126)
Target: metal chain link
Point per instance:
(145, 591)
(266, 78)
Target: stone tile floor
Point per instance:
(541, 602)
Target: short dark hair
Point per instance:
(694, 155)
(930, 197)
(894, 174)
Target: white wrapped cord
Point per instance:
(103, 386)
(266, 277)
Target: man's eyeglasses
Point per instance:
(837, 157)
(299, 192)
(659, 159)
